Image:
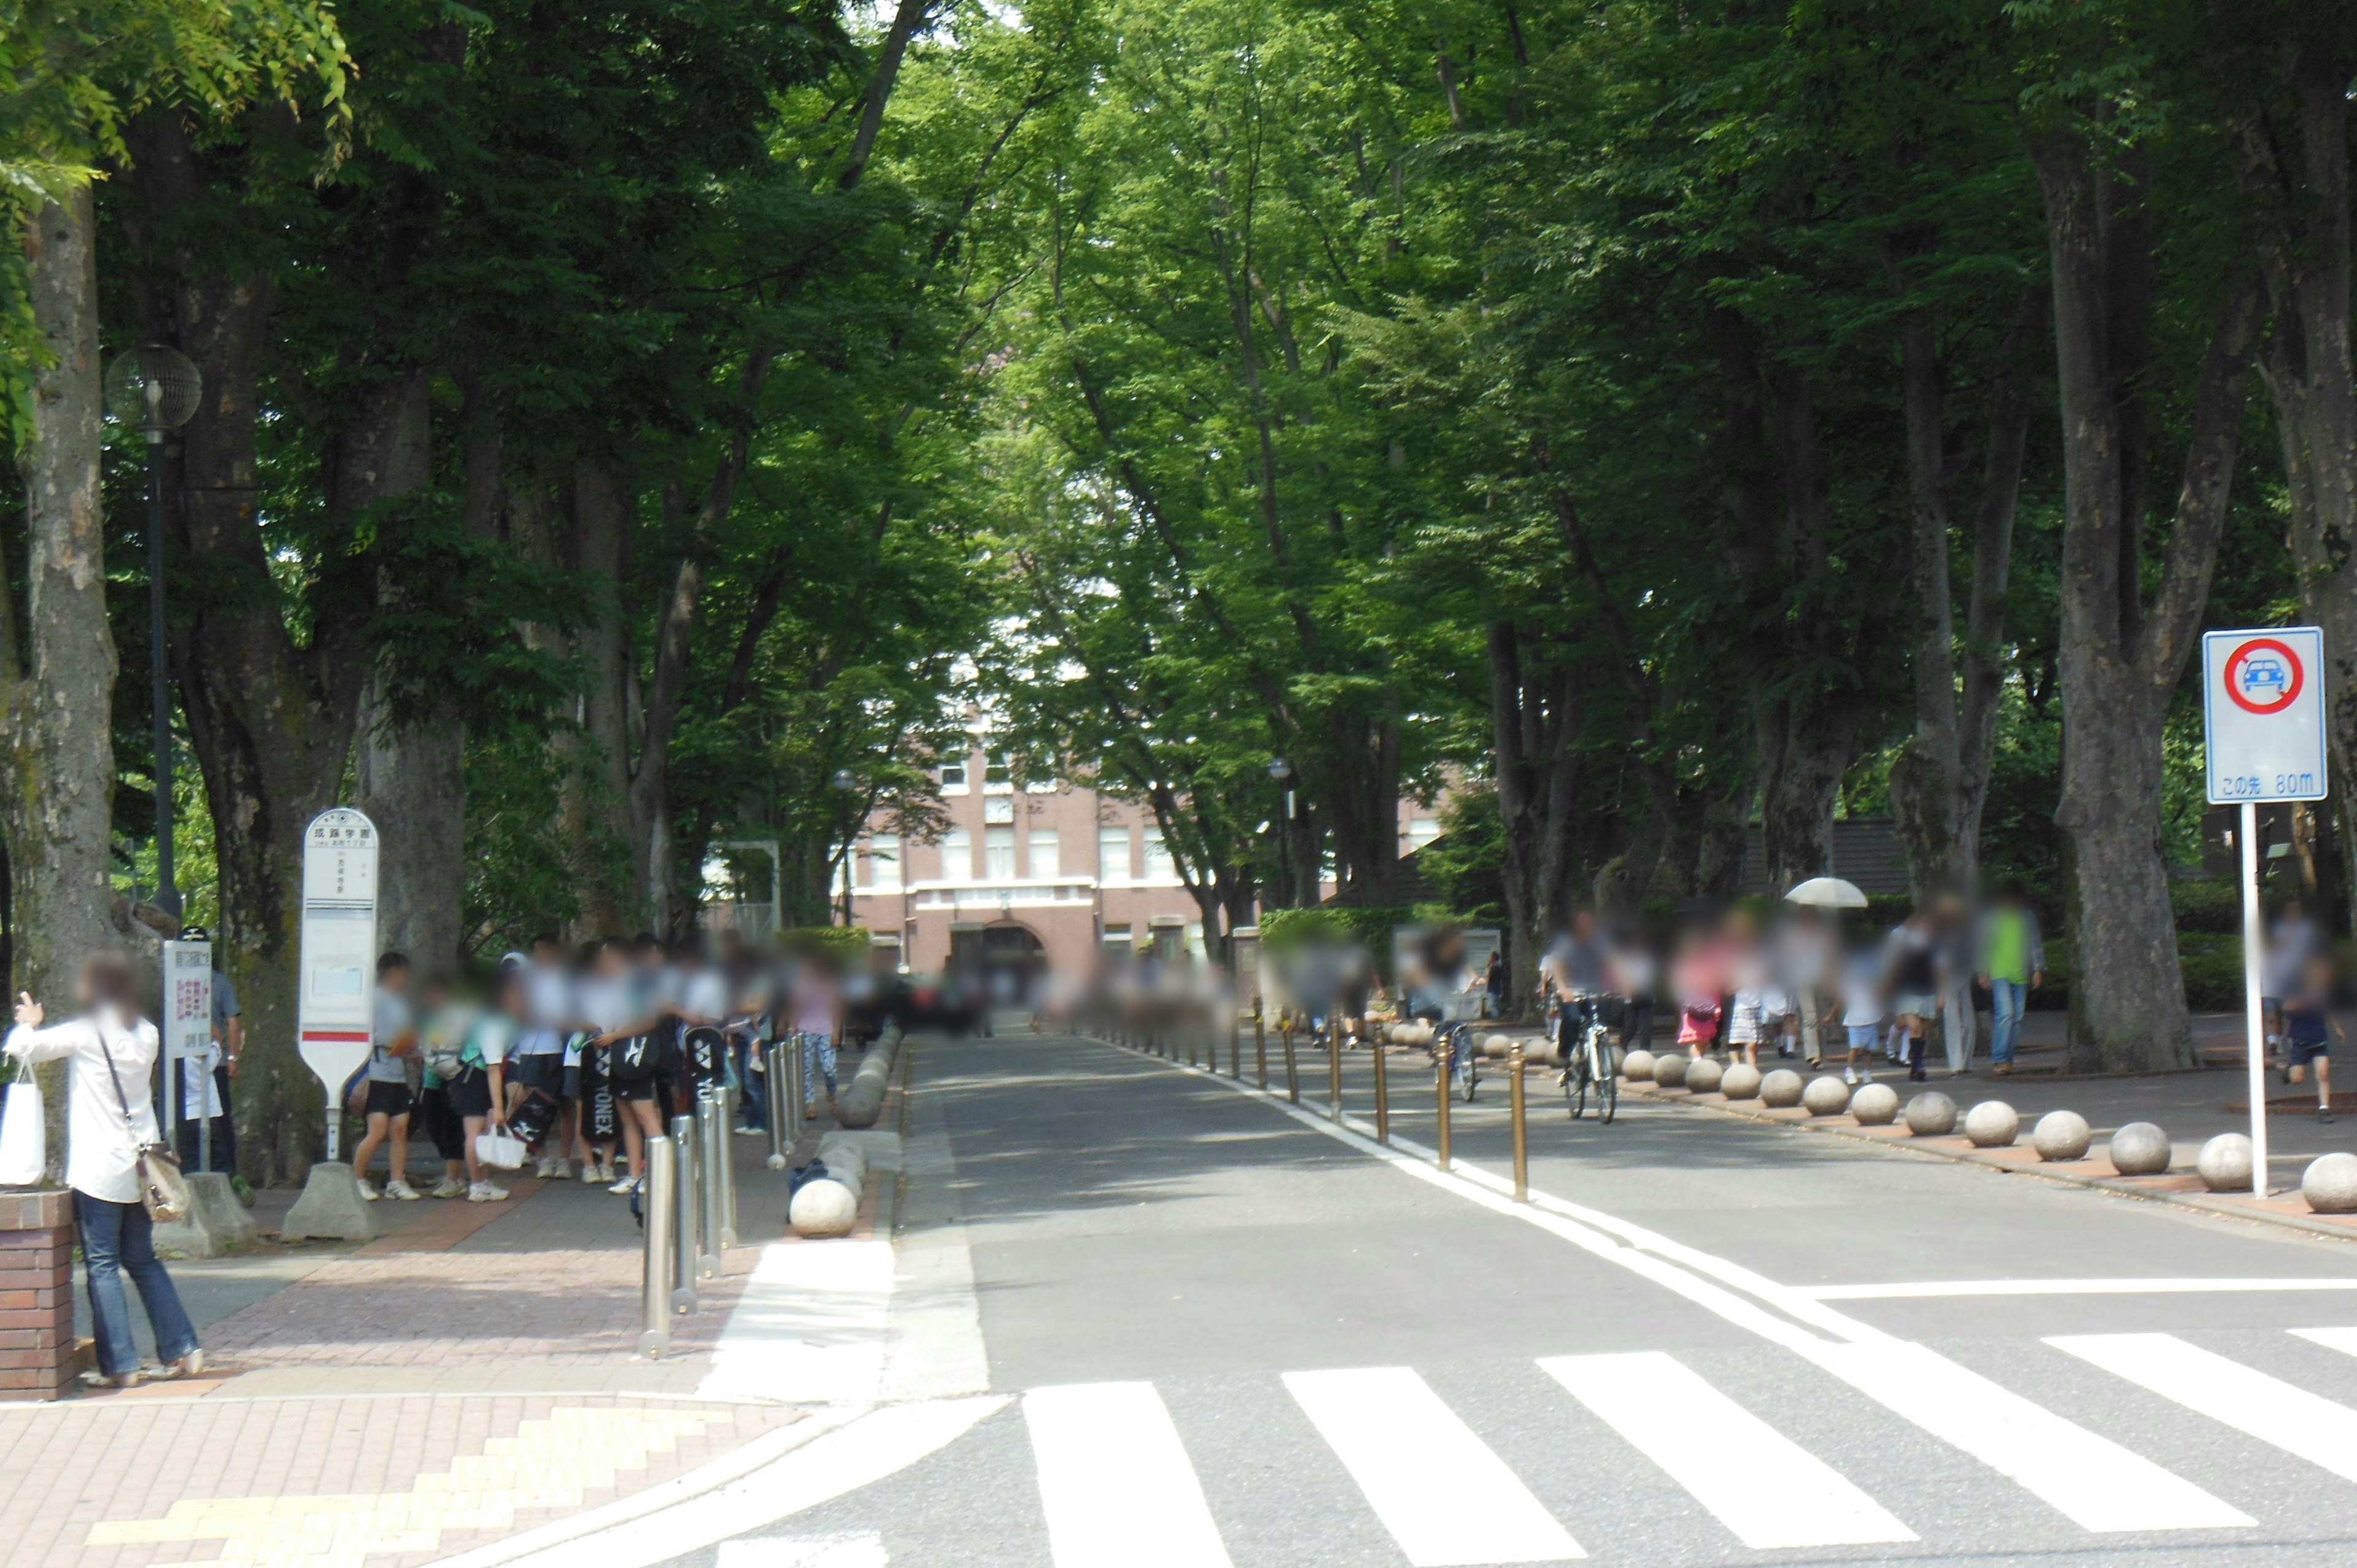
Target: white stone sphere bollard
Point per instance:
(2330, 1184)
(2224, 1163)
(1704, 1075)
(1874, 1105)
(1637, 1067)
(2140, 1149)
(1780, 1089)
(1669, 1071)
(1739, 1081)
(1993, 1124)
(2061, 1136)
(1497, 1048)
(1826, 1096)
(823, 1208)
(1930, 1114)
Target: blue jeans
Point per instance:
(818, 1060)
(119, 1237)
(752, 1088)
(2005, 1000)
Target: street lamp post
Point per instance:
(158, 388)
(844, 783)
(1282, 771)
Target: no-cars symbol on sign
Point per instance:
(2263, 707)
(2264, 676)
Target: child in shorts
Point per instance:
(1861, 1011)
(2307, 1021)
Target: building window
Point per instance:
(1422, 830)
(998, 854)
(1113, 857)
(957, 856)
(1160, 866)
(998, 809)
(1117, 936)
(884, 863)
(1043, 867)
(999, 775)
(953, 778)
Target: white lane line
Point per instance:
(2287, 1417)
(1445, 1498)
(1778, 1495)
(809, 1328)
(2002, 1428)
(1918, 1289)
(864, 1551)
(2087, 1477)
(1115, 1482)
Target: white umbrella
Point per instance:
(1827, 893)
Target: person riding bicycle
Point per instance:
(1581, 967)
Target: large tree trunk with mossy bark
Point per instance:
(1534, 724)
(2121, 656)
(57, 693)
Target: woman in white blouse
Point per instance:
(111, 1050)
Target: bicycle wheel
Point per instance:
(1608, 1088)
(1574, 1089)
(1462, 1074)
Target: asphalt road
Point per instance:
(1224, 1331)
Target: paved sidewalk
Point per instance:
(470, 1374)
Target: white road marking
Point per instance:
(2341, 1339)
(1445, 1498)
(1918, 1289)
(2113, 1489)
(2289, 1417)
(809, 1327)
(1115, 1482)
(2088, 1477)
(829, 1551)
(881, 1444)
(1776, 1494)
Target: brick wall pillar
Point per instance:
(37, 1353)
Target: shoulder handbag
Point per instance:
(163, 1190)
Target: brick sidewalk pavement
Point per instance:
(470, 1374)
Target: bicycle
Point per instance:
(1588, 1065)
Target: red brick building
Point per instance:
(1056, 871)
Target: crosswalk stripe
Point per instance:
(2341, 1339)
(2089, 1479)
(1779, 1494)
(2249, 1400)
(1445, 1498)
(1115, 1482)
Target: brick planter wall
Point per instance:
(37, 1353)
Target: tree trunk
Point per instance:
(1535, 728)
(1805, 747)
(2120, 659)
(56, 705)
(2301, 171)
(596, 799)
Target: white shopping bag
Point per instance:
(24, 1138)
(499, 1149)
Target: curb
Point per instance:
(2143, 1188)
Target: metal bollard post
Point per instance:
(724, 1147)
(1440, 1091)
(1521, 1132)
(683, 1188)
(1383, 1098)
(1260, 1045)
(709, 1246)
(1334, 1064)
(796, 1110)
(654, 1290)
(773, 1074)
(1292, 1074)
(1190, 1047)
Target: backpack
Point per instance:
(632, 1060)
(706, 1053)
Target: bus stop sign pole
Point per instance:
(2263, 733)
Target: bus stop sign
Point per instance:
(2263, 712)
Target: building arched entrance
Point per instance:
(1006, 957)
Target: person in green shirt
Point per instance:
(2012, 964)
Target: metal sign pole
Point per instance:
(2252, 987)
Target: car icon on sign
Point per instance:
(2264, 674)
